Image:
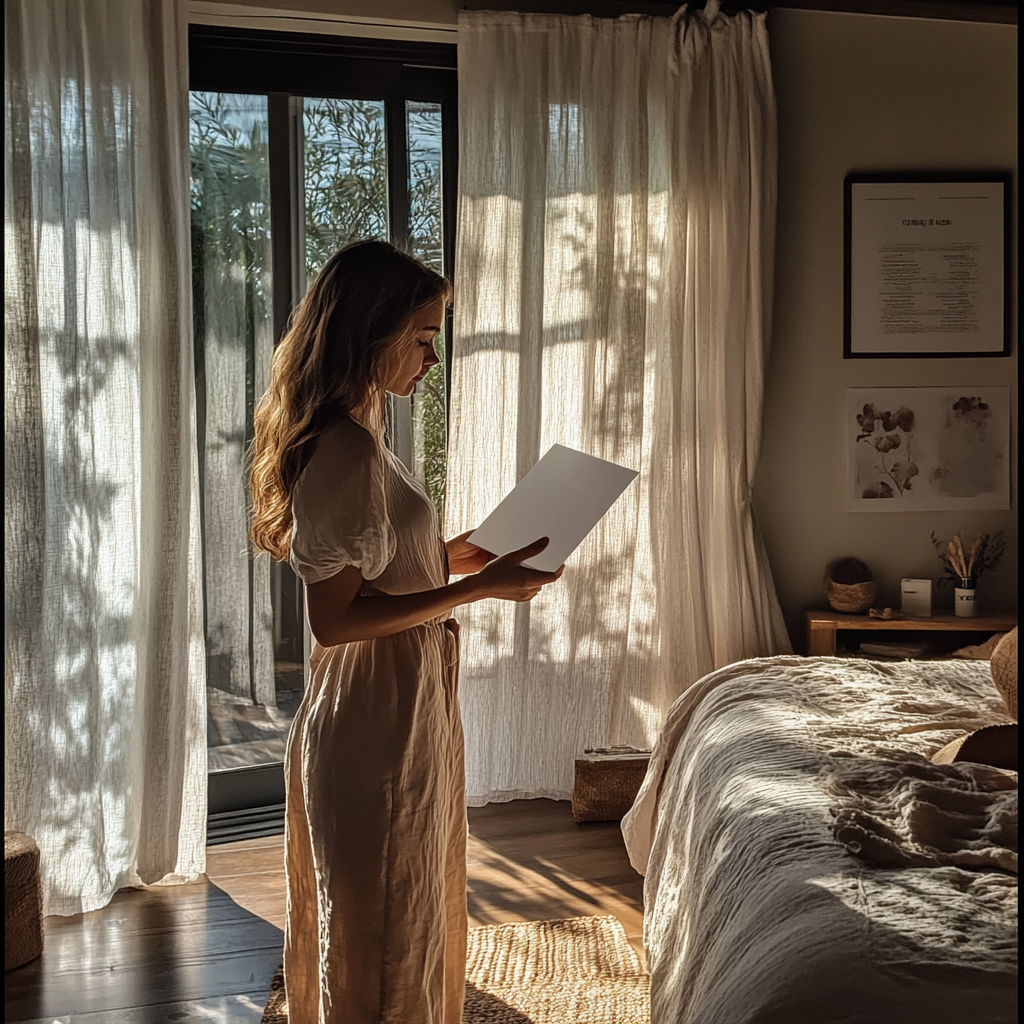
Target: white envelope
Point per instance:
(563, 497)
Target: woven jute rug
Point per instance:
(577, 971)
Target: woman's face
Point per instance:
(413, 358)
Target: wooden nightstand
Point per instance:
(823, 625)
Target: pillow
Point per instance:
(1004, 670)
(995, 745)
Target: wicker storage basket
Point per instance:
(852, 598)
(606, 784)
(23, 919)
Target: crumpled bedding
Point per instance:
(901, 815)
(804, 861)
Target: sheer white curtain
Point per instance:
(105, 710)
(612, 293)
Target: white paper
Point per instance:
(563, 497)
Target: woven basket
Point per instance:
(605, 785)
(852, 598)
(23, 912)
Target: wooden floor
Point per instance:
(206, 952)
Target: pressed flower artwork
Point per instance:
(928, 449)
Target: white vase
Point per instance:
(964, 605)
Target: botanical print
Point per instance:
(889, 432)
(922, 449)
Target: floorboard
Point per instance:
(206, 952)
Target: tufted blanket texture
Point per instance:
(805, 861)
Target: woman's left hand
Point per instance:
(465, 558)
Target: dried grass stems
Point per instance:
(963, 562)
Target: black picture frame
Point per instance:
(869, 313)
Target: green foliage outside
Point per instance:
(424, 140)
(345, 170)
(430, 431)
(345, 166)
(231, 254)
(425, 242)
(230, 217)
(346, 199)
(232, 331)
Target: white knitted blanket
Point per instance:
(804, 860)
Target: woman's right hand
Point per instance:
(507, 579)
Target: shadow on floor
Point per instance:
(184, 953)
(557, 870)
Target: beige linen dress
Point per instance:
(375, 841)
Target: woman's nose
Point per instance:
(431, 358)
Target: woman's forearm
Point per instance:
(337, 615)
(367, 618)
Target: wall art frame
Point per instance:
(927, 265)
(928, 449)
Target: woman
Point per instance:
(375, 843)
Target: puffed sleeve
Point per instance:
(339, 508)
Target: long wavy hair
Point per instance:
(331, 363)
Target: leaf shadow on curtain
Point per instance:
(600, 658)
(84, 640)
(616, 192)
(104, 752)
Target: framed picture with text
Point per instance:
(927, 265)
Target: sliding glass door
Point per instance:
(233, 338)
(299, 145)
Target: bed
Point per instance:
(805, 861)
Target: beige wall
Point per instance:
(866, 93)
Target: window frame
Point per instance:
(285, 66)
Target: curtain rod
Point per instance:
(995, 11)
(210, 12)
